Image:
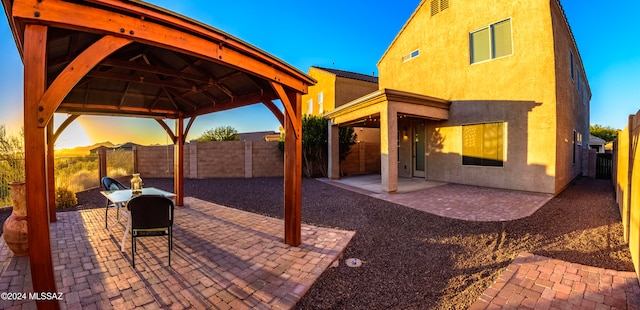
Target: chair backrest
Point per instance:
(150, 211)
(111, 184)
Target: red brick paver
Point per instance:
(465, 202)
(537, 282)
(222, 258)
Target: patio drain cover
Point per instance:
(353, 262)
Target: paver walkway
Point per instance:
(223, 258)
(464, 202)
(537, 282)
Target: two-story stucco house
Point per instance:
(485, 92)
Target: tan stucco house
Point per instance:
(487, 92)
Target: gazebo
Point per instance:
(129, 58)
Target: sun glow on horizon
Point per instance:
(73, 136)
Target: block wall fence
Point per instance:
(225, 159)
(239, 159)
(626, 182)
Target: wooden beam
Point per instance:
(203, 43)
(35, 55)
(178, 161)
(295, 120)
(75, 71)
(167, 130)
(64, 125)
(139, 80)
(275, 110)
(153, 69)
(293, 173)
(51, 180)
(101, 109)
(240, 101)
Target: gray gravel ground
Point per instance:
(416, 260)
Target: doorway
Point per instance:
(419, 149)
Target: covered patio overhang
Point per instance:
(129, 58)
(382, 109)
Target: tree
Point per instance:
(315, 137)
(222, 133)
(606, 133)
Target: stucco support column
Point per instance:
(389, 148)
(178, 161)
(334, 151)
(35, 55)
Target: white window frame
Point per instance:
(491, 51)
(310, 106)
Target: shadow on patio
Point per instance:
(222, 258)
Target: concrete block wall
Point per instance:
(227, 159)
(267, 159)
(363, 158)
(157, 161)
(220, 159)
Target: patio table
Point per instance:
(121, 197)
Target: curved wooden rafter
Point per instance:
(168, 130)
(64, 125)
(74, 72)
(288, 107)
(275, 110)
(186, 130)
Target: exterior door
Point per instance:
(419, 149)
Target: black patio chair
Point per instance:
(111, 184)
(151, 215)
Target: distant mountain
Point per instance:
(81, 150)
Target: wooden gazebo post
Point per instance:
(292, 102)
(178, 160)
(35, 49)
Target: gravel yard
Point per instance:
(415, 260)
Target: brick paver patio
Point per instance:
(464, 202)
(222, 258)
(537, 282)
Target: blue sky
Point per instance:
(348, 35)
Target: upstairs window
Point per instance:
(310, 107)
(411, 55)
(573, 70)
(491, 42)
(320, 102)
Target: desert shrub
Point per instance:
(65, 198)
(84, 179)
(117, 172)
(119, 163)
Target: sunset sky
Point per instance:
(348, 35)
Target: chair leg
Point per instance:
(170, 245)
(106, 214)
(133, 250)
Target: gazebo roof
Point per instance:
(174, 67)
(129, 58)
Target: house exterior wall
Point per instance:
(349, 89)
(572, 102)
(519, 90)
(327, 85)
